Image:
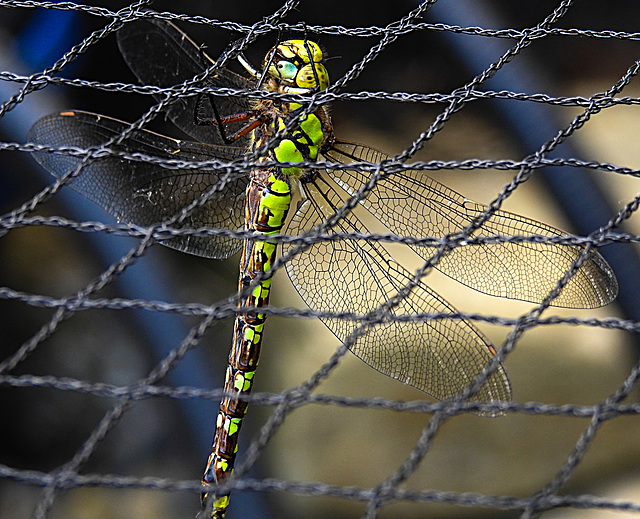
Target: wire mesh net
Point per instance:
(115, 348)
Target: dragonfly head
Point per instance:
(297, 64)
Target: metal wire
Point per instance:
(122, 398)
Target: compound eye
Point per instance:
(307, 77)
(286, 70)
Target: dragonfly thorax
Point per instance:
(300, 143)
(294, 66)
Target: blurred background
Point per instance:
(515, 455)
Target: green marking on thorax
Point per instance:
(309, 138)
(312, 126)
(287, 151)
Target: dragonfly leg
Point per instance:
(253, 117)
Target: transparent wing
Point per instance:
(412, 204)
(140, 192)
(160, 54)
(440, 357)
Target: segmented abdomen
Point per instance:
(267, 202)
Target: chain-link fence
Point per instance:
(114, 348)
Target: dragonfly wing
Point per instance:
(160, 54)
(143, 193)
(440, 357)
(411, 203)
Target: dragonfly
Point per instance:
(442, 357)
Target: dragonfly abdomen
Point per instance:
(267, 203)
